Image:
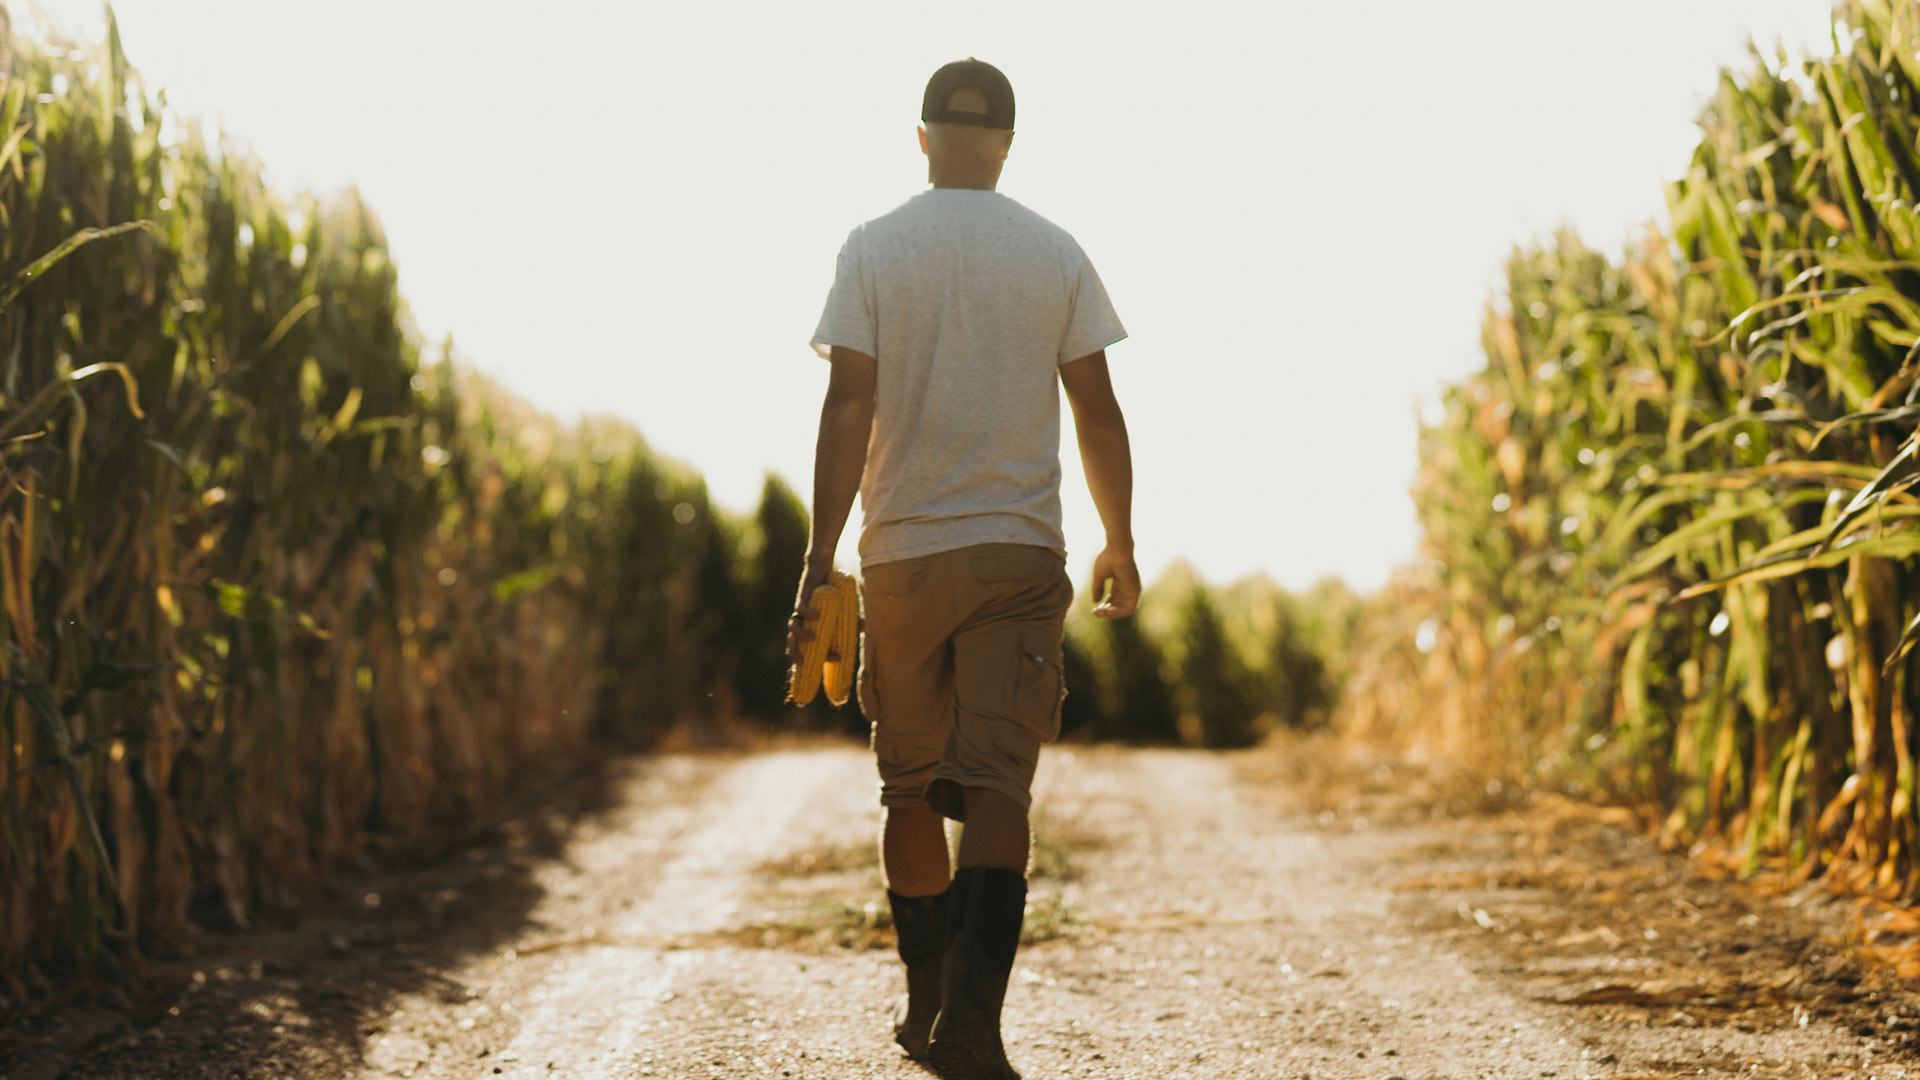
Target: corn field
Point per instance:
(1207, 665)
(1670, 528)
(276, 588)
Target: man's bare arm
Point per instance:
(839, 459)
(1108, 460)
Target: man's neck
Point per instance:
(972, 179)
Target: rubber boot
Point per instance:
(920, 922)
(986, 908)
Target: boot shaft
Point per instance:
(989, 904)
(921, 925)
(985, 912)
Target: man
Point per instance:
(951, 323)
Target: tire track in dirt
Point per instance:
(592, 1010)
(577, 998)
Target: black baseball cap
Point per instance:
(959, 75)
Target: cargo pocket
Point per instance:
(1042, 684)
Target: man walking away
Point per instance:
(952, 323)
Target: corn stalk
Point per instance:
(1671, 526)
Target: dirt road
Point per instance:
(1195, 915)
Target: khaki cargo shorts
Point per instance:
(960, 671)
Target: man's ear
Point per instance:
(922, 129)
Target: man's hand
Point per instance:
(1116, 584)
(798, 632)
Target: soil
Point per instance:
(1299, 911)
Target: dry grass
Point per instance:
(829, 896)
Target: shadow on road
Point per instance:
(302, 994)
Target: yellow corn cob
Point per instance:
(830, 656)
(804, 680)
(846, 640)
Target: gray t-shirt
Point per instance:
(969, 302)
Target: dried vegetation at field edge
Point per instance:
(1581, 901)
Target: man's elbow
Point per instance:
(1103, 423)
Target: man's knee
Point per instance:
(997, 832)
(911, 815)
(986, 802)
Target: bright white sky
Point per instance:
(1298, 207)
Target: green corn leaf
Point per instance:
(1885, 545)
(1702, 531)
(1904, 466)
(525, 581)
(42, 402)
(12, 288)
(1708, 432)
(1908, 639)
(1870, 416)
(1791, 470)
